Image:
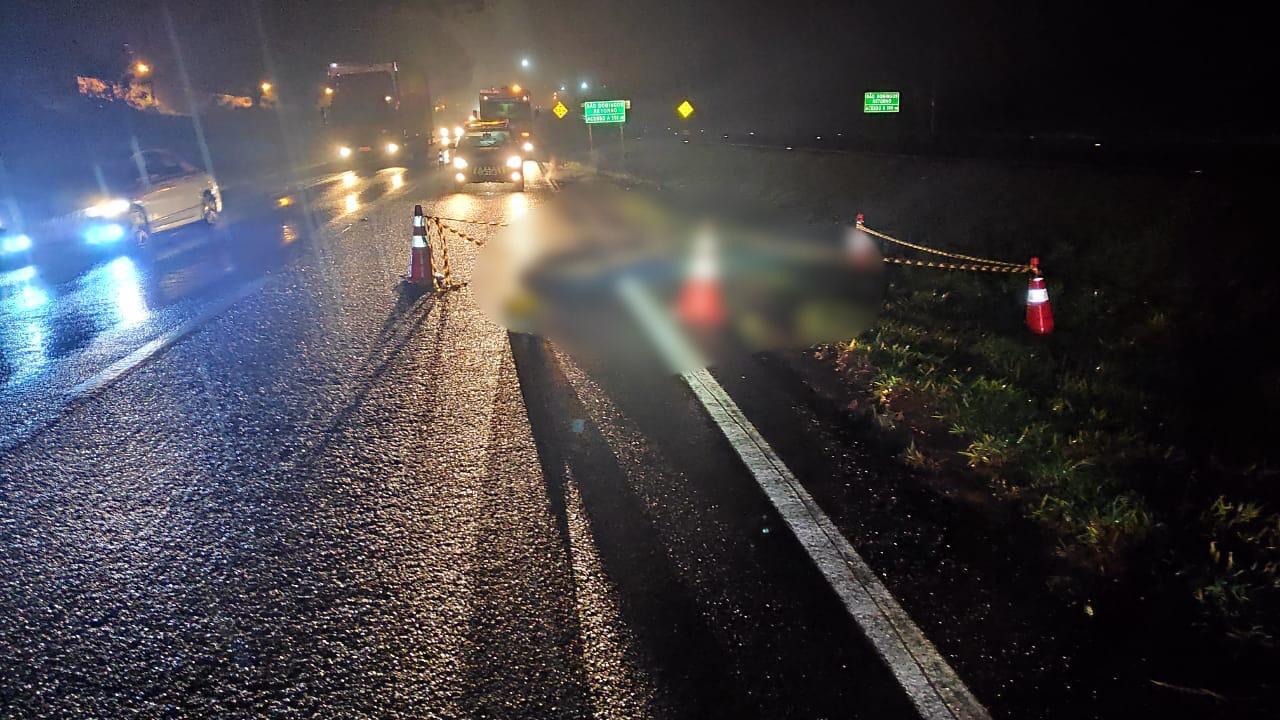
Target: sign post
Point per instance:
(607, 112)
(881, 101)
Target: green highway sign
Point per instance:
(880, 102)
(596, 112)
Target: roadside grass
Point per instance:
(1142, 432)
(1070, 437)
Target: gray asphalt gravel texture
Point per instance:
(340, 498)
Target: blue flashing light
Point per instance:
(14, 244)
(103, 234)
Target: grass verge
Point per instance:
(1141, 433)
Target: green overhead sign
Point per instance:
(596, 112)
(880, 102)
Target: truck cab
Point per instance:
(511, 104)
(364, 122)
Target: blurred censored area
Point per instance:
(602, 270)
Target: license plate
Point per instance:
(487, 171)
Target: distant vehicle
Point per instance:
(445, 144)
(131, 200)
(510, 104)
(488, 155)
(364, 120)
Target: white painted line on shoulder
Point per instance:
(117, 370)
(149, 350)
(929, 681)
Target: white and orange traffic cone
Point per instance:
(420, 251)
(1039, 313)
(701, 301)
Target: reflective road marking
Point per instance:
(934, 688)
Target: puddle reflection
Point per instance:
(31, 297)
(125, 289)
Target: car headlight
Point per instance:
(14, 244)
(108, 208)
(460, 163)
(344, 151)
(103, 234)
(392, 148)
(460, 177)
(514, 162)
(527, 147)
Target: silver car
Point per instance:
(150, 192)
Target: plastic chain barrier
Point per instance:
(974, 263)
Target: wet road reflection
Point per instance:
(73, 296)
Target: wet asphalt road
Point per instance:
(332, 497)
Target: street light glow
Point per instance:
(266, 87)
(584, 86)
(142, 68)
(328, 91)
(524, 62)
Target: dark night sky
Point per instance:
(994, 64)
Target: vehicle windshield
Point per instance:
(504, 108)
(481, 141)
(362, 100)
(116, 177)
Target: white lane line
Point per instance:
(128, 364)
(149, 350)
(933, 687)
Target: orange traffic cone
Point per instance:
(1039, 313)
(419, 250)
(701, 303)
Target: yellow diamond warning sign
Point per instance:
(560, 110)
(685, 109)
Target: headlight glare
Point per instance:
(392, 148)
(14, 244)
(460, 163)
(514, 162)
(108, 208)
(344, 151)
(527, 147)
(103, 234)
